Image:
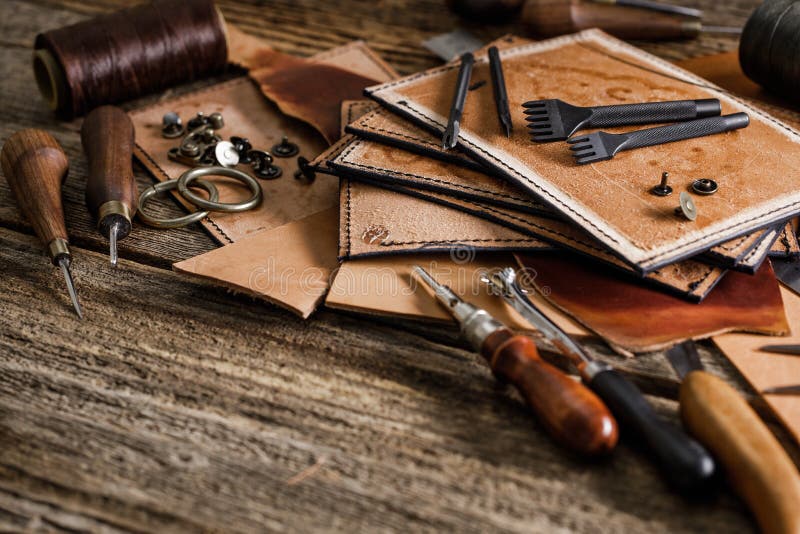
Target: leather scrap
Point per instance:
(633, 318)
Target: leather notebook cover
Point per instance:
(633, 318)
(611, 199)
(744, 253)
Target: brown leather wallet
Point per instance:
(611, 199)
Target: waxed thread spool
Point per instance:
(769, 52)
(129, 53)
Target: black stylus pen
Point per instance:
(457, 107)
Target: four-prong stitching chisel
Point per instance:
(35, 166)
(107, 135)
(758, 467)
(683, 461)
(570, 412)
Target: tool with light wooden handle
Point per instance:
(756, 464)
(107, 135)
(572, 414)
(35, 166)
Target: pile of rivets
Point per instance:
(201, 146)
(687, 207)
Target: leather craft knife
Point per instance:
(757, 466)
(788, 272)
(683, 461)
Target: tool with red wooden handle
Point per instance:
(572, 414)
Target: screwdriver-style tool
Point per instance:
(683, 461)
(757, 466)
(450, 137)
(570, 412)
(35, 166)
(107, 135)
(499, 90)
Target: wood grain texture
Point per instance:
(176, 406)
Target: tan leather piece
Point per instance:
(290, 266)
(376, 221)
(611, 199)
(691, 278)
(763, 370)
(384, 128)
(384, 286)
(633, 318)
(787, 245)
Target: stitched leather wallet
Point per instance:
(611, 199)
(744, 253)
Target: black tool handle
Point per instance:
(653, 112)
(685, 464)
(684, 130)
(462, 86)
(499, 86)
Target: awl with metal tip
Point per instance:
(792, 350)
(499, 90)
(35, 166)
(571, 413)
(450, 137)
(683, 461)
(758, 467)
(107, 135)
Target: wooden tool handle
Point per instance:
(572, 414)
(35, 166)
(107, 135)
(756, 464)
(550, 18)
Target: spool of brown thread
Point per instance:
(129, 53)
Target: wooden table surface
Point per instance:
(178, 406)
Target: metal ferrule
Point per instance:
(476, 324)
(592, 369)
(112, 212)
(57, 249)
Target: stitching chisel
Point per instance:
(35, 166)
(683, 461)
(570, 412)
(758, 467)
(107, 135)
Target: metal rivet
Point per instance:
(226, 154)
(243, 147)
(704, 186)
(171, 125)
(687, 207)
(216, 121)
(263, 166)
(304, 170)
(285, 149)
(662, 189)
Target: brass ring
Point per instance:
(227, 207)
(177, 222)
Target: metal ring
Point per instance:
(177, 222)
(233, 207)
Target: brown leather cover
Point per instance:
(610, 199)
(743, 253)
(633, 318)
(764, 370)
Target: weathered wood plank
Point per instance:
(201, 410)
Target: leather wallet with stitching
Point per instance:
(611, 199)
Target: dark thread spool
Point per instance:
(769, 51)
(129, 53)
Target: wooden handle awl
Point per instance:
(107, 135)
(571, 412)
(756, 464)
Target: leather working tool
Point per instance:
(757, 466)
(571, 413)
(793, 350)
(600, 146)
(555, 120)
(499, 90)
(683, 462)
(450, 137)
(788, 272)
(107, 136)
(783, 390)
(35, 166)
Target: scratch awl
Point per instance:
(499, 90)
(450, 137)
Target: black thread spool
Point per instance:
(129, 53)
(769, 51)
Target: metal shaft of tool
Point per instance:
(63, 262)
(450, 137)
(656, 6)
(443, 294)
(733, 30)
(112, 243)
